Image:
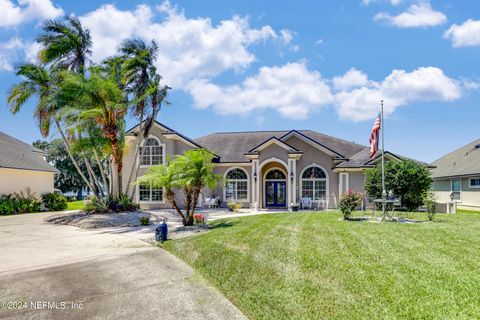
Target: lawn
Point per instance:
(76, 205)
(468, 211)
(315, 266)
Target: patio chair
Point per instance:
(306, 203)
(207, 202)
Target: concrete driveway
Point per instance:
(64, 272)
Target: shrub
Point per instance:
(144, 221)
(54, 201)
(349, 201)
(19, 203)
(111, 204)
(198, 218)
(233, 206)
(430, 202)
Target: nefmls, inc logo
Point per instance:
(48, 305)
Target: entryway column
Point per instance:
(292, 177)
(255, 184)
(290, 180)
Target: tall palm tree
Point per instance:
(98, 99)
(66, 44)
(40, 82)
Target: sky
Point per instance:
(281, 65)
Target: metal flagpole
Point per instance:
(384, 192)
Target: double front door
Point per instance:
(276, 193)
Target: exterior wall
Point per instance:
(220, 190)
(172, 149)
(357, 181)
(16, 180)
(312, 155)
(469, 197)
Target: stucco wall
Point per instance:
(15, 180)
(172, 149)
(469, 197)
(219, 191)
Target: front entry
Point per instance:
(276, 194)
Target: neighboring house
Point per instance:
(23, 166)
(457, 176)
(266, 169)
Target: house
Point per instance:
(23, 166)
(457, 176)
(264, 169)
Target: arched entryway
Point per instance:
(275, 188)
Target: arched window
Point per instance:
(275, 174)
(236, 185)
(151, 153)
(314, 183)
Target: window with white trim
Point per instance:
(475, 183)
(151, 153)
(236, 185)
(314, 183)
(148, 193)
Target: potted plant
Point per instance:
(294, 206)
(233, 206)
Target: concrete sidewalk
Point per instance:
(104, 275)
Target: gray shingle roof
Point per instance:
(16, 154)
(231, 146)
(463, 161)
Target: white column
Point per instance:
(256, 183)
(289, 182)
(294, 187)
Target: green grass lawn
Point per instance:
(467, 211)
(76, 205)
(315, 266)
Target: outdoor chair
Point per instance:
(306, 203)
(207, 202)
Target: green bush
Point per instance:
(19, 203)
(233, 206)
(54, 201)
(110, 204)
(144, 221)
(349, 201)
(430, 202)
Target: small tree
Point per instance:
(349, 201)
(190, 172)
(408, 179)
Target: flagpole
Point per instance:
(384, 192)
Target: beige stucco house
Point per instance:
(23, 166)
(263, 169)
(456, 177)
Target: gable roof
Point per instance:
(276, 141)
(231, 146)
(461, 162)
(15, 154)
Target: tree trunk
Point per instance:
(102, 172)
(67, 147)
(171, 198)
(98, 188)
(117, 166)
(188, 204)
(135, 162)
(196, 194)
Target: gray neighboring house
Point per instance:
(23, 166)
(457, 176)
(263, 169)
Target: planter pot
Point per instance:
(294, 208)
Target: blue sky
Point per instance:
(320, 65)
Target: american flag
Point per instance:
(374, 137)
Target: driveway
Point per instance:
(64, 272)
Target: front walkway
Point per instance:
(105, 275)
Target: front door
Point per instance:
(276, 194)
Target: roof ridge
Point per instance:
(330, 136)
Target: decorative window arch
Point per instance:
(275, 174)
(151, 152)
(236, 185)
(314, 183)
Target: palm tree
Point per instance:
(66, 44)
(191, 172)
(195, 169)
(98, 99)
(41, 83)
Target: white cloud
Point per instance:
(189, 48)
(417, 15)
(464, 35)
(351, 79)
(17, 50)
(292, 90)
(16, 13)
(397, 89)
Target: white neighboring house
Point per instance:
(23, 166)
(457, 176)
